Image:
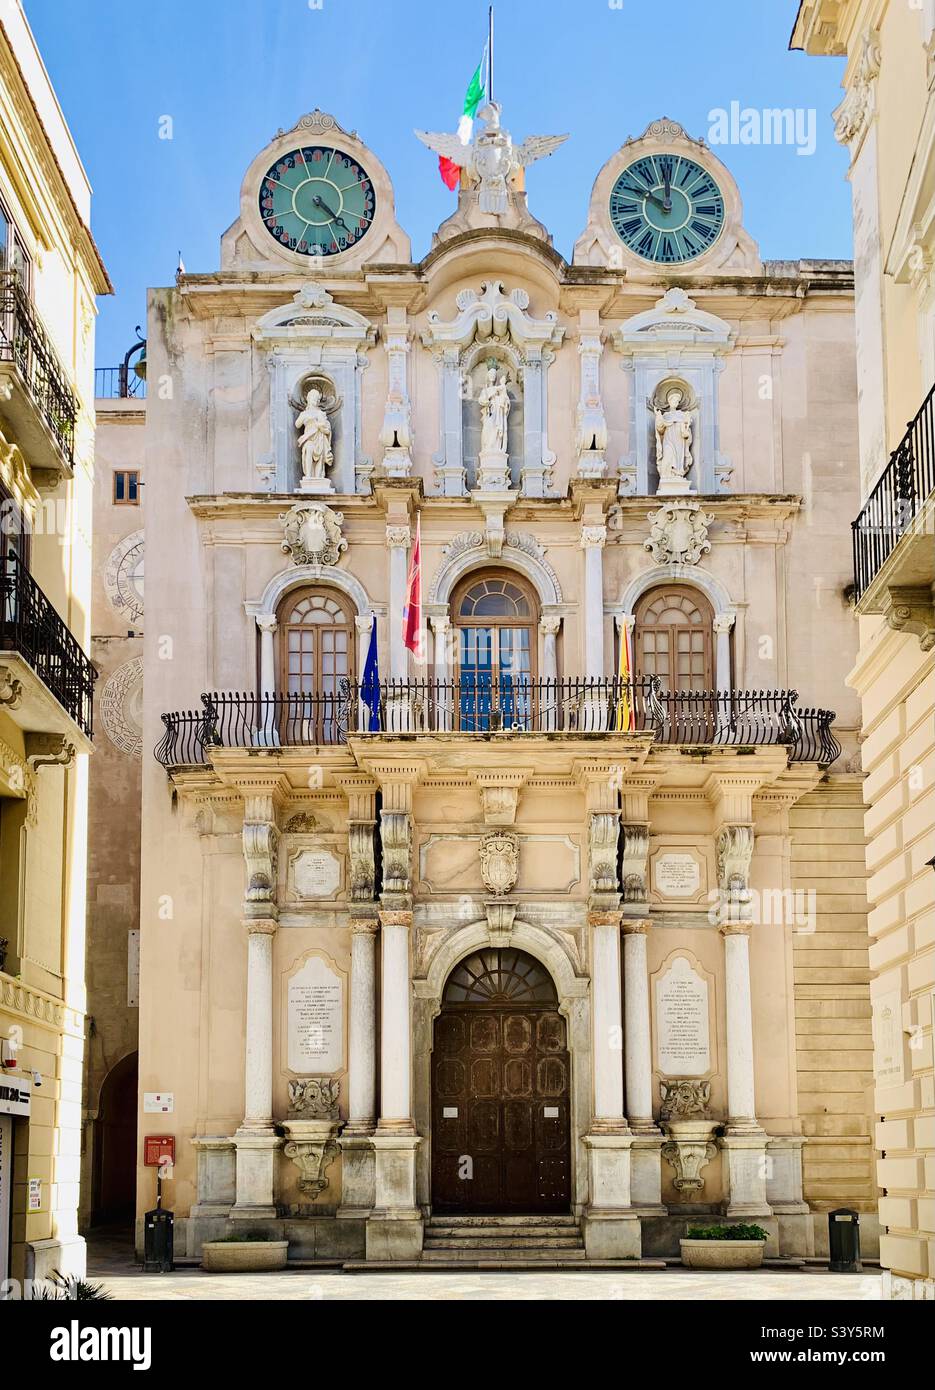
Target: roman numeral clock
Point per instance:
(666, 209)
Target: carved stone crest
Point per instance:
(684, 1100)
(312, 534)
(678, 533)
(499, 862)
(315, 1099)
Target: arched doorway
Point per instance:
(115, 1169)
(501, 1088)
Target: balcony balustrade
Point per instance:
(39, 400)
(31, 628)
(480, 709)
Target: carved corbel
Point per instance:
(499, 793)
(734, 855)
(11, 690)
(360, 840)
(396, 838)
(260, 850)
(635, 867)
(911, 608)
(603, 836)
(48, 750)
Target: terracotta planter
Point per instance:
(243, 1256)
(722, 1254)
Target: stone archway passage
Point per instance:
(500, 1089)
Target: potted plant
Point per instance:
(723, 1247)
(247, 1252)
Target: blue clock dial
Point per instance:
(667, 209)
(317, 201)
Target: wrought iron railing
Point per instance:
(25, 342)
(897, 498)
(118, 383)
(30, 626)
(465, 706)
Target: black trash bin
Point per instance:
(844, 1241)
(158, 1241)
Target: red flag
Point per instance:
(412, 612)
(450, 172)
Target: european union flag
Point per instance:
(370, 685)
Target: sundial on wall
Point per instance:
(123, 577)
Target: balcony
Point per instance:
(738, 719)
(118, 384)
(49, 679)
(35, 394)
(894, 554)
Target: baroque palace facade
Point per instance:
(50, 273)
(886, 119)
(516, 942)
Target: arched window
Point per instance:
(496, 616)
(494, 976)
(674, 638)
(316, 642)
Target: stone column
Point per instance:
(549, 626)
(267, 731)
(444, 694)
(723, 622)
(398, 539)
(637, 1047)
(606, 1023)
(741, 1106)
(256, 1141)
(592, 543)
(358, 1167)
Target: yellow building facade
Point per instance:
(887, 121)
(50, 273)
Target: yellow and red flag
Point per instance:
(623, 722)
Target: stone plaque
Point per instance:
(683, 1046)
(888, 1038)
(677, 874)
(315, 1018)
(316, 873)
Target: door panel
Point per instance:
(500, 1110)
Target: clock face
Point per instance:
(667, 209)
(317, 201)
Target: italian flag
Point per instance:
(451, 172)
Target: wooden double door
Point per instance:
(501, 1106)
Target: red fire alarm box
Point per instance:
(157, 1148)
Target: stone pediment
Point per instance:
(674, 320)
(493, 314)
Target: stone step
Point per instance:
(492, 1233)
(504, 1257)
(527, 1242)
(554, 1219)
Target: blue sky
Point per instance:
(231, 72)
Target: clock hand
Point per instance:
(668, 191)
(644, 193)
(338, 221)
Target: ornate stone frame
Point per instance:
(311, 335)
(725, 611)
(498, 320)
(574, 1005)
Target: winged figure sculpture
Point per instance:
(491, 157)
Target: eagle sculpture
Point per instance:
(491, 158)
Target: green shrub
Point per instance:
(739, 1232)
(64, 1288)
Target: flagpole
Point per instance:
(490, 52)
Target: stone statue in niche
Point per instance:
(673, 444)
(314, 429)
(494, 403)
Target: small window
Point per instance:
(13, 253)
(127, 488)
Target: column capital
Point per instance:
(734, 928)
(364, 926)
(261, 926)
(362, 622)
(636, 926)
(593, 536)
(604, 918)
(395, 917)
(398, 537)
(267, 622)
(440, 623)
(550, 624)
